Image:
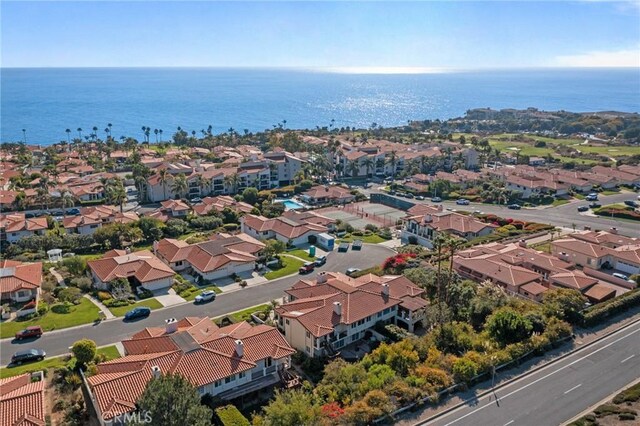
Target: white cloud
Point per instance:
(613, 58)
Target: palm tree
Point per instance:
(180, 185)
(354, 168)
(232, 181)
(67, 200)
(155, 131)
(95, 132)
(109, 125)
(392, 160)
(160, 131)
(79, 130)
(368, 164)
(68, 131)
(202, 183)
(24, 135)
(163, 178)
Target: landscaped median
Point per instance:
(149, 303)
(245, 314)
(288, 265)
(109, 352)
(58, 316)
(620, 211)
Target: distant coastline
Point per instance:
(46, 101)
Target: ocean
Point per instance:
(45, 102)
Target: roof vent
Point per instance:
(428, 218)
(171, 325)
(239, 348)
(321, 278)
(613, 230)
(155, 370)
(522, 243)
(337, 308)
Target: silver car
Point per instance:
(206, 296)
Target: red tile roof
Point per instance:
(21, 401)
(143, 265)
(16, 276)
(198, 350)
(15, 222)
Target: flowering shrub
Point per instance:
(396, 264)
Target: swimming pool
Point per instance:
(290, 204)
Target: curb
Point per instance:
(525, 374)
(602, 401)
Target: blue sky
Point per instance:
(340, 35)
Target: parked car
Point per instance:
(583, 208)
(631, 203)
(356, 245)
(139, 312)
(29, 215)
(27, 356)
(206, 296)
(592, 197)
(73, 212)
(321, 260)
(420, 197)
(34, 331)
(462, 202)
(57, 213)
(621, 276)
(436, 200)
(352, 271)
(307, 268)
(196, 200)
(594, 205)
(514, 206)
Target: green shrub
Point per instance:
(104, 295)
(231, 226)
(43, 308)
(464, 370)
(631, 394)
(598, 313)
(229, 415)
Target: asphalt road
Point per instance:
(558, 392)
(111, 331)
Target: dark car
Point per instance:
(583, 208)
(321, 260)
(307, 268)
(28, 356)
(462, 202)
(594, 205)
(514, 206)
(57, 213)
(73, 212)
(139, 312)
(29, 215)
(29, 332)
(631, 203)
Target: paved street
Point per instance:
(558, 392)
(112, 331)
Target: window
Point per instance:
(230, 379)
(93, 226)
(369, 318)
(355, 337)
(353, 325)
(308, 335)
(179, 263)
(241, 375)
(218, 383)
(286, 321)
(308, 350)
(268, 362)
(379, 314)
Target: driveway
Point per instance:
(112, 331)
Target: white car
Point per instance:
(206, 296)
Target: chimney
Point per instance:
(337, 308)
(321, 278)
(613, 230)
(171, 325)
(155, 371)
(239, 348)
(440, 208)
(128, 250)
(428, 218)
(385, 289)
(522, 243)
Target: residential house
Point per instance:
(92, 218)
(15, 226)
(292, 227)
(424, 223)
(322, 316)
(141, 268)
(321, 194)
(222, 256)
(171, 209)
(224, 362)
(19, 282)
(22, 400)
(219, 203)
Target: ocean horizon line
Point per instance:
(363, 70)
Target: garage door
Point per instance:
(626, 267)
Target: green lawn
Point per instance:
(110, 352)
(245, 315)
(370, 239)
(544, 247)
(149, 303)
(290, 266)
(559, 202)
(579, 196)
(193, 295)
(608, 192)
(84, 313)
(302, 254)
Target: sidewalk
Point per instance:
(583, 336)
(58, 277)
(105, 311)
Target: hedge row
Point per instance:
(597, 313)
(229, 415)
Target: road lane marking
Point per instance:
(545, 376)
(508, 423)
(572, 389)
(626, 359)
